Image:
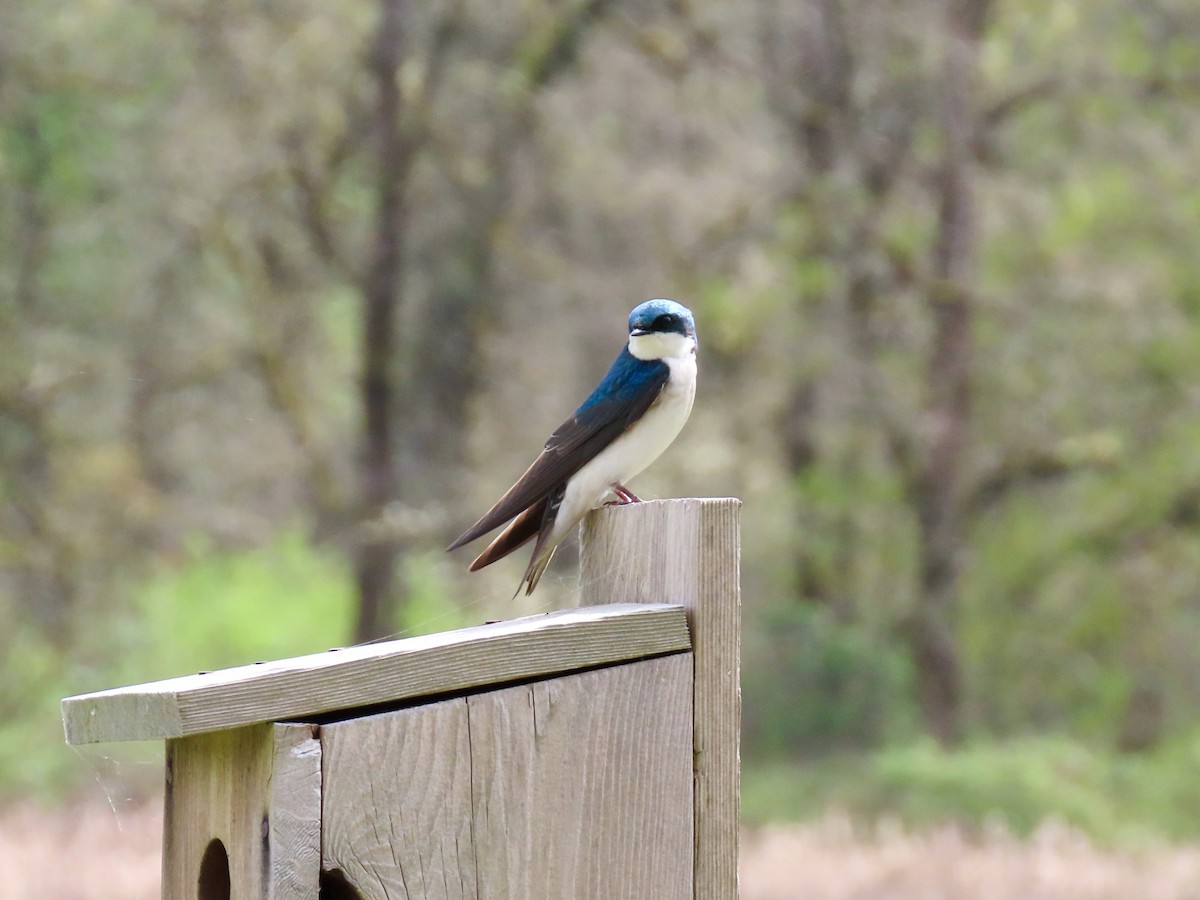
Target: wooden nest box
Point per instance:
(588, 753)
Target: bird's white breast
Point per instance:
(637, 448)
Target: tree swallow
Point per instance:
(631, 417)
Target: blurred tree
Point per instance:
(919, 214)
(938, 486)
(375, 559)
(855, 90)
(417, 392)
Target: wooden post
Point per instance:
(687, 552)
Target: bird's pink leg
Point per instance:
(624, 494)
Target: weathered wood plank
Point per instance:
(294, 823)
(578, 786)
(397, 803)
(257, 790)
(535, 646)
(587, 785)
(687, 551)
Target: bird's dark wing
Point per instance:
(627, 391)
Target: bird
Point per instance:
(636, 412)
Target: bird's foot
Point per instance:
(624, 495)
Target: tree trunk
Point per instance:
(938, 494)
(445, 362)
(377, 551)
(441, 356)
(446, 357)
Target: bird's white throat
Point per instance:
(661, 345)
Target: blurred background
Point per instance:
(290, 291)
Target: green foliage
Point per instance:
(1117, 799)
(811, 685)
(33, 758)
(429, 582)
(1081, 590)
(210, 610)
(220, 609)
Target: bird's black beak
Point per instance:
(638, 332)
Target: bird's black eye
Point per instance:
(665, 322)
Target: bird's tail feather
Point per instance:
(533, 574)
(519, 531)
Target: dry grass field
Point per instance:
(93, 852)
(830, 861)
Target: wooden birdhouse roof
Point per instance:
(374, 675)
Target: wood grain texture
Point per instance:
(397, 803)
(294, 822)
(586, 787)
(531, 647)
(575, 787)
(687, 552)
(258, 791)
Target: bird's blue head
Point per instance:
(662, 317)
